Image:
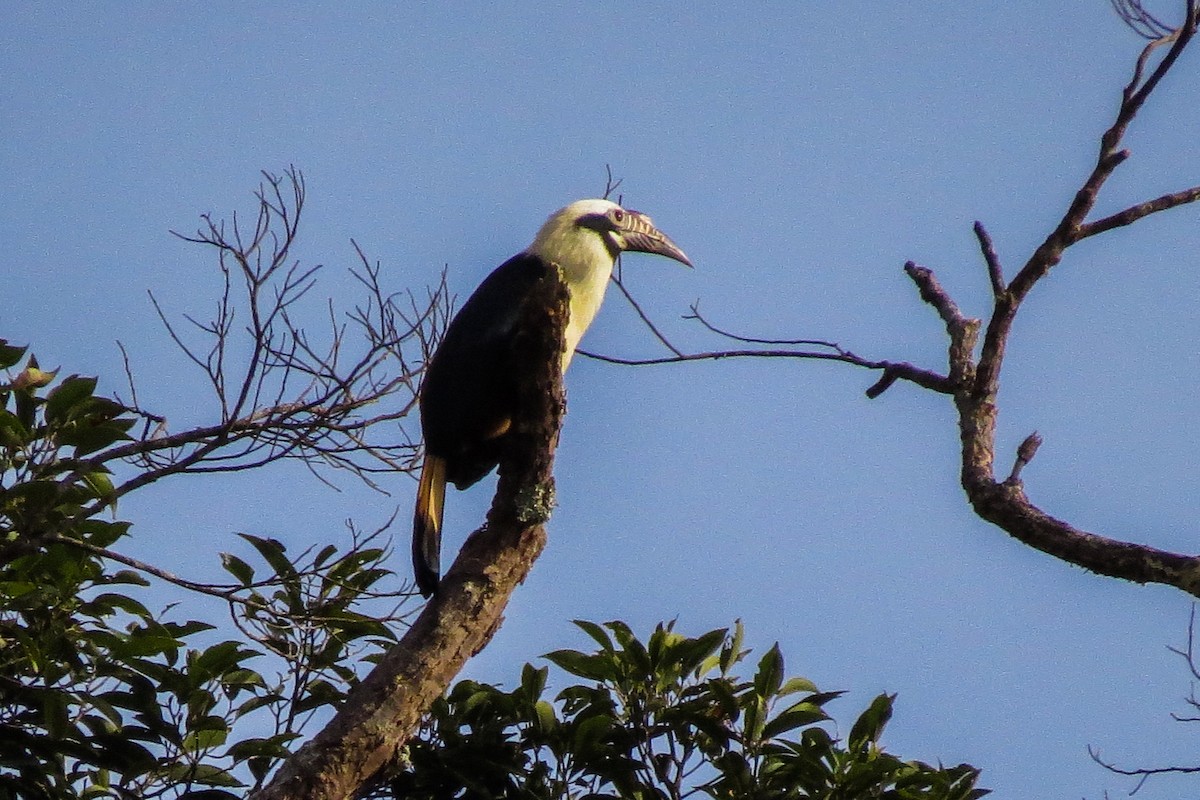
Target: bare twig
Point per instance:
(1134, 213)
(289, 397)
(616, 279)
(1144, 773)
(698, 317)
(1025, 454)
(224, 592)
(1141, 21)
(995, 272)
(892, 370)
(610, 185)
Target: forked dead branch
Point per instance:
(976, 347)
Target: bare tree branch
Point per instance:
(288, 396)
(892, 370)
(1144, 773)
(1141, 21)
(1136, 212)
(974, 380)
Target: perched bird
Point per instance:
(469, 391)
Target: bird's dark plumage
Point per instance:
(470, 385)
(469, 394)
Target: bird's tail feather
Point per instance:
(427, 524)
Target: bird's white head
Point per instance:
(590, 234)
(584, 240)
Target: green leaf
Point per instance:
(130, 577)
(62, 400)
(753, 717)
(319, 693)
(87, 437)
(122, 753)
(273, 747)
(100, 484)
(769, 677)
(10, 355)
(217, 659)
(320, 558)
(596, 632)
(662, 642)
(182, 630)
(591, 732)
(793, 685)
(13, 433)
(274, 553)
(144, 642)
(205, 739)
(546, 719)
(255, 703)
(104, 604)
(692, 653)
(623, 634)
(732, 653)
(592, 667)
(243, 677)
(238, 568)
(102, 534)
(870, 724)
(533, 681)
(797, 716)
(36, 494)
(203, 774)
(634, 652)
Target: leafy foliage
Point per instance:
(665, 718)
(99, 696)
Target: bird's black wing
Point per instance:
(469, 390)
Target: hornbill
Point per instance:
(468, 394)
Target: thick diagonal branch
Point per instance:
(380, 715)
(1005, 504)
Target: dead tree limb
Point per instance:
(974, 380)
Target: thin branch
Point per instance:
(995, 272)
(1189, 654)
(1070, 228)
(224, 592)
(616, 279)
(1141, 21)
(1144, 773)
(698, 317)
(287, 397)
(973, 381)
(1025, 454)
(610, 185)
(1134, 213)
(899, 369)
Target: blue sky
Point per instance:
(799, 153)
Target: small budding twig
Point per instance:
(1025, 454)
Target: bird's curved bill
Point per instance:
(640, 236)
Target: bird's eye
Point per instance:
(618, 215)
